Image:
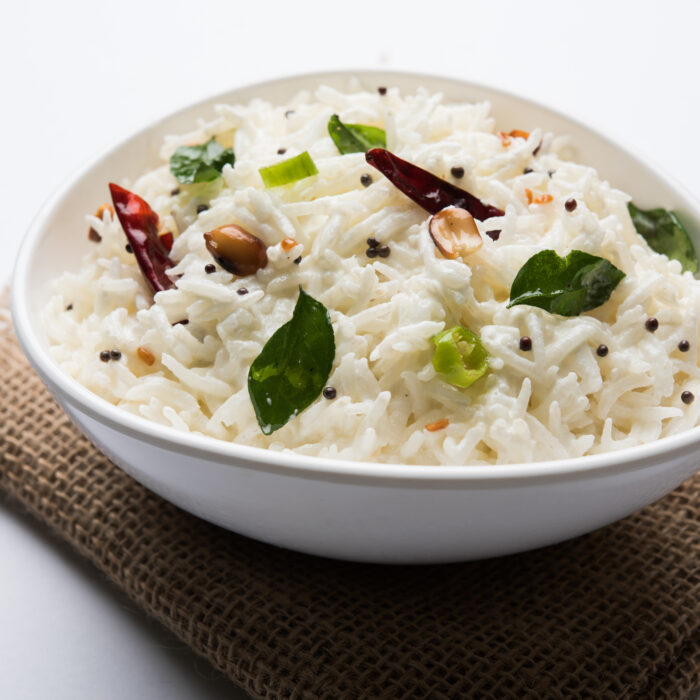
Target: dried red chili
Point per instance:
(429, 191)
(140, 224)
(166, 238)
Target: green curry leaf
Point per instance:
(355, 138)
(293, 367)
(565, 286)
(200, 163)
(459, 356)
(665, 234)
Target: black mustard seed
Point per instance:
(281, 151)
(684, 346)
(371, 252)
(128, 248)
(526, 343)
(114, 355)
(174, 192)
(366, 180)
(242, 291)
(202, 207)
(495, 234)
(372, 242)
(69, 307)
(210, 268)
(457, 172)
(602, 350)
(297, 260)
(687, 397)
(651, 324)
(384, 251)
(570, 204)
(329, 392)
(105, 356)
(381, 90)
(526, 171)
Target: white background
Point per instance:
(78, 76)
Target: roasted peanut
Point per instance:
(104, 207)
(236, 250)
(454, 232)
(92, 234)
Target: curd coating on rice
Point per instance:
(355, 243)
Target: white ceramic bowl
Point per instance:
(359, 511)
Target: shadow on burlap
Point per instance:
(614, 614)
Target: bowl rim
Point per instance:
(259, 458)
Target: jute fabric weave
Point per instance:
(615, 614)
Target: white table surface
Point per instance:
(77, 76)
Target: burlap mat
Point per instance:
(615, 614)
